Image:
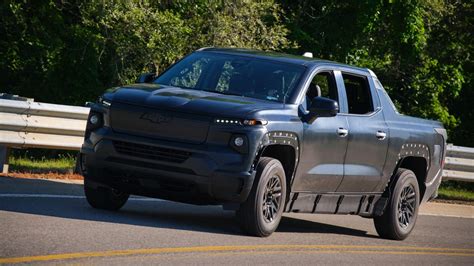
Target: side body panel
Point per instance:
(366, 153)
(321, 167)
(369, 162)
(412, 137)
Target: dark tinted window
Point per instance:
(323, 85)
(327, 85)
(233, 74)
(358, 94)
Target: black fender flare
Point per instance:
(407, 150)
(284, 138)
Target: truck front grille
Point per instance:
(151, 152)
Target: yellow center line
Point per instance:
(339, 251)
(276, 248)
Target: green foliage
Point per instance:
(140, 36)
(44, 54)
(71, 51)
(419, 49)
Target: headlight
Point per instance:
(226, 121)
(104, 102)
(240, 143)
(94, 119)
(241, 122)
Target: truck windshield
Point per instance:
(234, 75)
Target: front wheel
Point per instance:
(104, 198)
(261, 213)
(399, 217)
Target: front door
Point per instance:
(321, 166)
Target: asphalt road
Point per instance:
(50, 222)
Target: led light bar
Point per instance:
(246, 122)
(228, 121)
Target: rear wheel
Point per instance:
(399, 217)
(104, 198)
(261, 213)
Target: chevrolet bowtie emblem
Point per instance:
(157, 118)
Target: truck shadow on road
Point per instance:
(138, 212)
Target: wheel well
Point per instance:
(419, 166)
(286, 155)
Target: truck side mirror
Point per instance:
(323, 107)
(146, 78)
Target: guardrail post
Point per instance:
(4, 152)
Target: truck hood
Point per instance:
(188, 101)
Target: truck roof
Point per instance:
(280, 57)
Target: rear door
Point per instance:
(367, 137)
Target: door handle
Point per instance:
(342, 132)
(381, 135)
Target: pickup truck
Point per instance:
(263, 133)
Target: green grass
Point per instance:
(453, 193)
(24, 164)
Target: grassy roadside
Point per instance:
(452, 190)
(65, 164)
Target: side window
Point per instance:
(323, 85)
(358, 94)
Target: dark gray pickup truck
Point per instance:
(263, 133)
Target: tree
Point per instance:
(409, 44)
(137, 34)
(71, 51)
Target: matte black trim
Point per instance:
(151, 165)
(360, 204)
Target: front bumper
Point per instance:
(210, 175)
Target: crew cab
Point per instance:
(263, 133)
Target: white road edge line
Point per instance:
(57, 196)
(446, 215)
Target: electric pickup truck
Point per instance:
(263, 133)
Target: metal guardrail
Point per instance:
(28, 124)
(459, 164)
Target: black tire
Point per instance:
(257, 215)
(104, 198)
(396, 222)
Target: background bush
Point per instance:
(70, 51)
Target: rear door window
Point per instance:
(359, 98)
